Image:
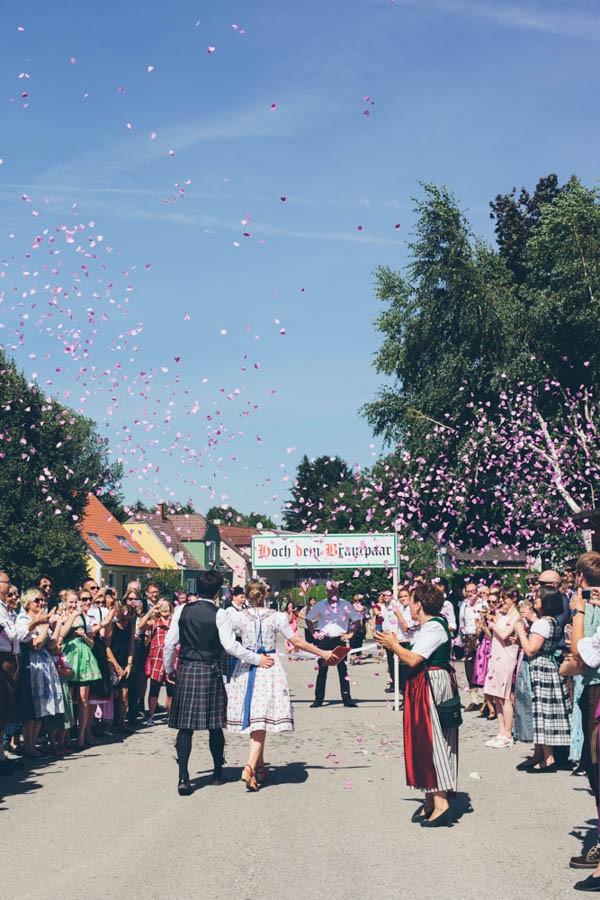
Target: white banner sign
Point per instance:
(324, 551)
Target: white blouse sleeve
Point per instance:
(541, 627)
(229, 643)
(283, 626)
(431, 636)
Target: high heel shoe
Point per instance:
(444, 819)
(249, 778)
(261, 774)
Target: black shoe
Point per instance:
(587, 860)
(588, 884)
(218, 778)
(551, 768)
(527, 764)
(350, 703)
(316, 703)
(390, 690)
(184, 788)
(440, 821)
(417, 818)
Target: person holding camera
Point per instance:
(551, 706)
(431, 751)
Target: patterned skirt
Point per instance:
(270, 708)
(551, 705)
(430, 752)
(46, 690)
(199, 699)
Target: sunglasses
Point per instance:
(86, 599)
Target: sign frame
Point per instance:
(306, 562)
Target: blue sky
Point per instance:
(215, 331)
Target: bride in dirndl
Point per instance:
(258, 700)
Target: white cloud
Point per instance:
(568, 19)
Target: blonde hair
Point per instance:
(256, 591)
(28, 597)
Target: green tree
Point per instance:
(467, 320)
(314, 480)
(230, 516)
(51, 458)
(451, 324)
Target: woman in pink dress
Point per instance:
(503, 661)
(290, 611)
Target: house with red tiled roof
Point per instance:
(200, 537)
(114, 556)
(236, 552)
(158, 535)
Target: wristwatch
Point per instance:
(580, 611)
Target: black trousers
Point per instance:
(328, 643)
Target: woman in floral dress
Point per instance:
(259, 699)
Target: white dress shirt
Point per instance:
(9, 641)
(226, 636)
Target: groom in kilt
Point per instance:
(199, 700)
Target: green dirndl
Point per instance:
(81, 660)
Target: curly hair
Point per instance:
(256, 591)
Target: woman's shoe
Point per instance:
(420, 815)
(444, 819)
(527, 764)
(261, 774)
(551, 768)
(249, 778)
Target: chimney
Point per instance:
(162, 511)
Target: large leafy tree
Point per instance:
(452, 322)
(466, 319)
(50, 459)
(315, 479)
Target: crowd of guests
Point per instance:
(77, 667)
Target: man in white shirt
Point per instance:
(469, 613)
(396, 619)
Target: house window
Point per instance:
(125, 543)
(112, 581)
(211, 547)
(98, 540)
(191, 585)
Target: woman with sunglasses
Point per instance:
(77, 648)
(39, 694)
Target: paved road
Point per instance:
(334, 821)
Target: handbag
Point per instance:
(448, 711)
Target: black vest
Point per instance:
(198, 633)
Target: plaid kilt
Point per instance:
(551, 705)
(199, 700)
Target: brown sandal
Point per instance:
(261, 774)
(249, 778)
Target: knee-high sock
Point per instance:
(216, 742)
(183, 745)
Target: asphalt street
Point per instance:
(333, 821)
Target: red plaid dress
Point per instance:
(155, 668)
